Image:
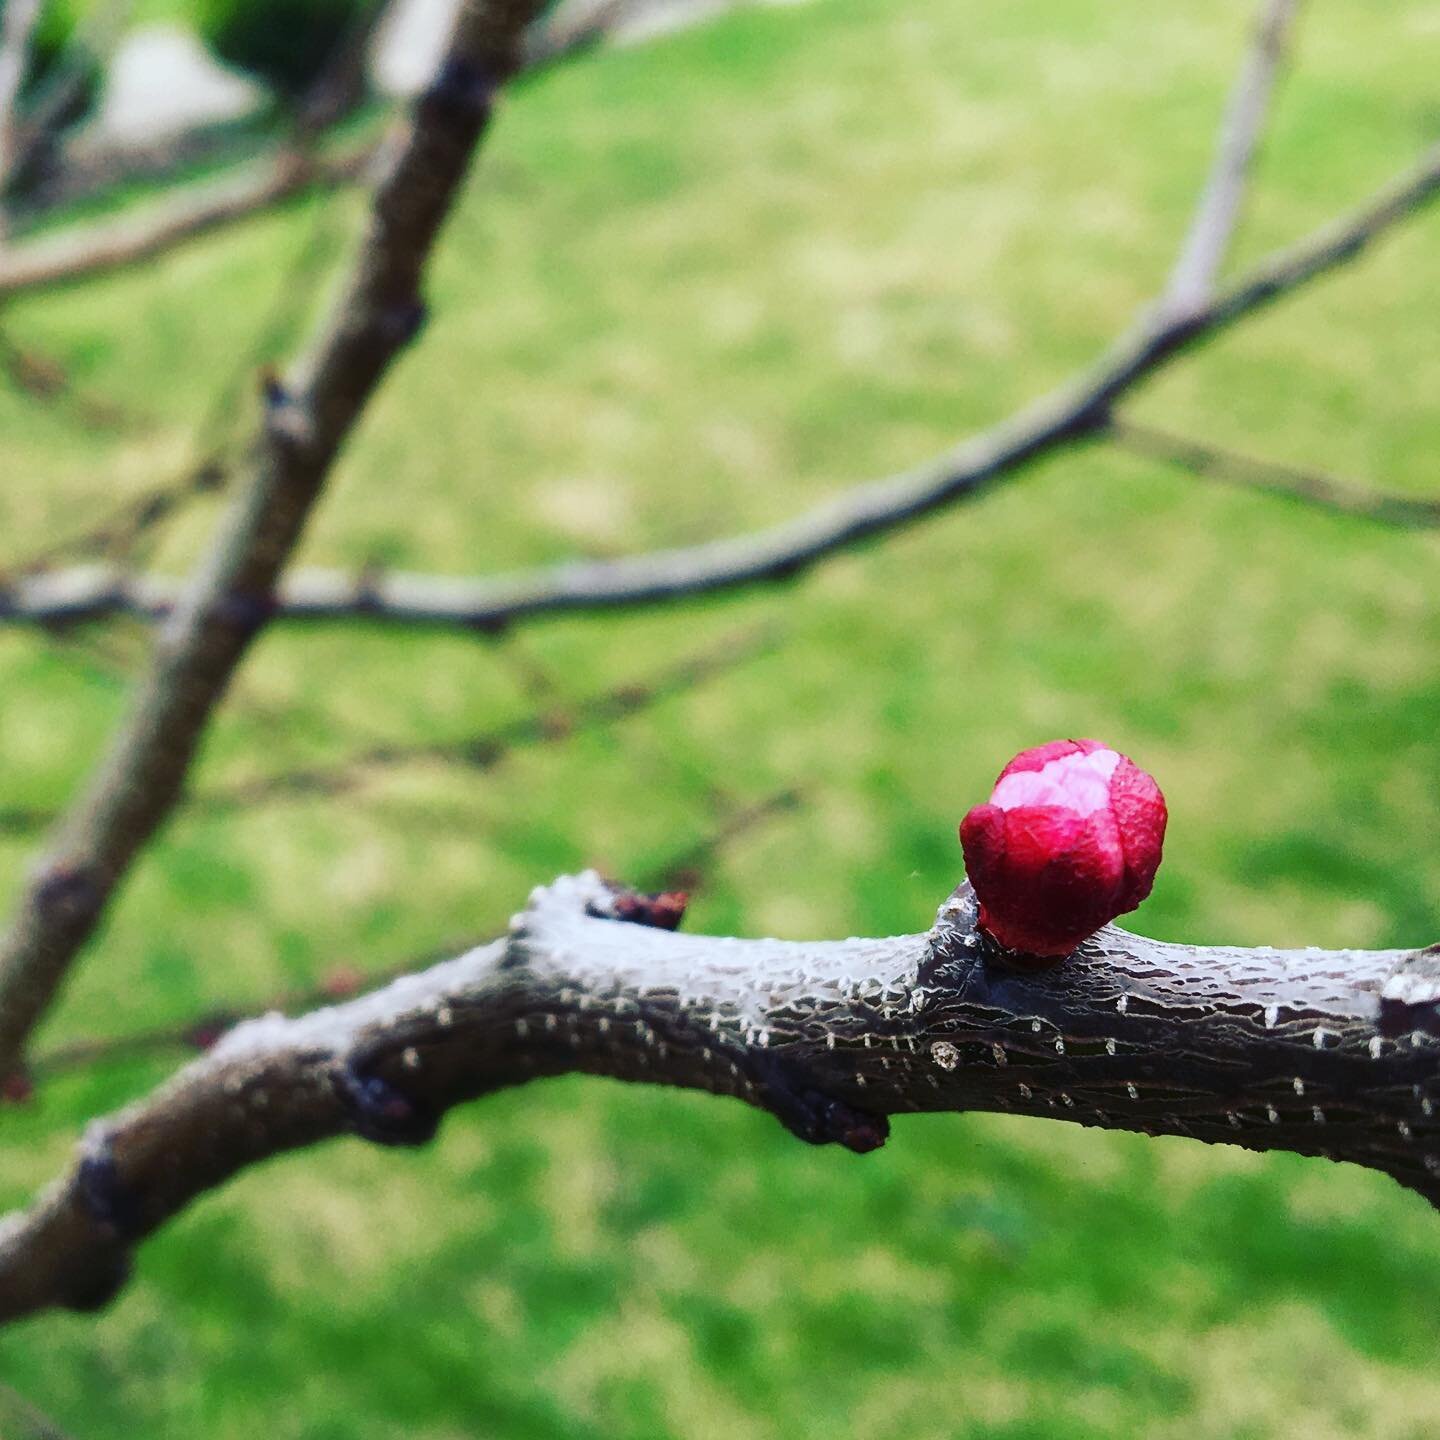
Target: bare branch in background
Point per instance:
(687, 869)
(574, 26)
(553, 723)
(1077, 410)
(1192, 282)
(228, 602)
(20, 1420)
(17, 25)
(57, 96)
(217, 437)
(45, 379)
(143, 233)
(1331, 1053)
(1312, 486)
(340, 86)
(118, 531)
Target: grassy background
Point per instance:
(692, 287)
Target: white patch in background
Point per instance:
(162, 82)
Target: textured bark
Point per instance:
(1331, 1053)
(230, 598)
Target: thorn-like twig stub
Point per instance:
(1410, 998)
(661, 912)
(460, 88)
(809, 1114)
(100, 1282)
(102, 1193)
(399, 324)
(490, 626)
(856, 1130)
(66, 888)
(273, 393)
(204, 1033)
(245, 612)
(383, 1113)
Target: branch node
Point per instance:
(242, 611)
(102, 1194)
(382, 1112)
(99, 1283)
(811, 1115)
(397, 325)
(65, 889)
(1410, 998)
(462, 89)
(664, 911)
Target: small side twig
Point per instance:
(21, 1420)
(1313, 486)
(1192, 281)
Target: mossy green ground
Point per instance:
(693, 287)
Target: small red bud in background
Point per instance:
(662, 912)
(1070, 838)
(17, 1087)
(204, 1034)
(342, 981)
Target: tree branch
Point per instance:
(20, 1420)
(1312, 486)
(685, 869)
(1192, 282)
(1076, 410)
(1328, 1053)
(17, 25)
(93, 249)
(87, 51)
(131, 236)
(228, 601)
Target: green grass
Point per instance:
(694, 286)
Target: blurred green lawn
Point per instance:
(694, 286)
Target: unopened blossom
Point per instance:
(1070, 838)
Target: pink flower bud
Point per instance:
(1070, 839)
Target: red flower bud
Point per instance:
(1070, 839)
(17, 1087)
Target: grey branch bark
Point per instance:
(1331, 1053)
(1192, 281)
(1313, 486)
(1078, 409)
(229, 599)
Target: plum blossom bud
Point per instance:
(1070, 839)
